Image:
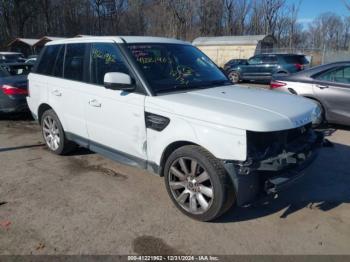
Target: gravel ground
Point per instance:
(87, 204)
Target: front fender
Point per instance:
(222, 142)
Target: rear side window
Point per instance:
(48, 59)
(58, 67)
(74, 62)
(255, 60)
(105, 58)
(340, 75)
(295, 59)
(269, 59)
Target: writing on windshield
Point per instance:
(170, 67)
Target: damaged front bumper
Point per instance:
(278, 161)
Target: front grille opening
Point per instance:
(266, 144)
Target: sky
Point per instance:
(310, 9)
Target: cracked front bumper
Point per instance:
(256, 177)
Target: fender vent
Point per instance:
(156, 122)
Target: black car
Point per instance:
(262, 67)
(13, 87)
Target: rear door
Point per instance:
(333, 90)
(260, 67)
(40, 80)
(269, 66)
(66, 88)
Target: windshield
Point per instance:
(174, 67)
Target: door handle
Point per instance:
(95, 103)
(56, 93)
(322, 86)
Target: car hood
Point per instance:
(246, 108)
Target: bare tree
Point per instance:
(185, 19)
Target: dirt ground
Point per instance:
(87, 204)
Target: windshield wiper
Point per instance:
(175, 88)
(216, 83)
(197, 86)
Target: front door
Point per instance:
(115, 119)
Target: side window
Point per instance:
(47, 60)
(340, 75)
(74, 62)
(105, 58)
(256, 60)
(269, 60)
(58, 67)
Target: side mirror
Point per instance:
(119, 81)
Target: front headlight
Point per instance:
(316, 115)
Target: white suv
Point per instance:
(162, 105)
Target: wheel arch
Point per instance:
(169, 149)
(42, 108)
(322, 105)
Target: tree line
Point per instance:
(184, 19)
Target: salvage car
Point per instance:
(262, 67)
(328, 85)
(13, 87)
(162, 105)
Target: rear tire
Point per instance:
(198, 183)
(54, 135)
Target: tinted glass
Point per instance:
(74, 62)
(48, 59)
(58, 67)
(3, 72)
(341, 75)
(295, 59)
(173, 67)
(105, 58)
(269, 59)
(255, 60)
(13, 57)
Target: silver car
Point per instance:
(328, 85)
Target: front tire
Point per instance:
(234, 77)
(197, 183)
(54, 135)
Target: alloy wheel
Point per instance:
(51, 133)
(190, 185)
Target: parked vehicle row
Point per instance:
(262, 67)
(14, 87)
(14, 68)
(162, 105)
